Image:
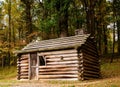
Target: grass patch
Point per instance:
(109, 70)
(7, 73)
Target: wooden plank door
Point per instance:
(33, 66)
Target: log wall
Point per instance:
(89, 66)
(68, 64)
(22, 66)
(61, 64)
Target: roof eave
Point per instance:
(46, 49)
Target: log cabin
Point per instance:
(65, 58)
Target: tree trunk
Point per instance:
(105, 39)
(90, 15)
(113, 50)
(118, 33)
(13, 34)
(28, 18)
(28, 21)
(63, 18)
(9, 27)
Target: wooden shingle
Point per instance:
(55, 44)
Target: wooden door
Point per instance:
(33, 66)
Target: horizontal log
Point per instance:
(23, 61)
(89, 65)
(90, 53)
(91, 75)
(23, 77)
(57, 76)
(58, 52)
(91, 42)
(93, 56)
(59, 59)
(91, 72)
(58, 69)
(62, 55)
(63, 62)
(58, 66)
(90, 50)
(59, 79)
(90, 69)
(92, 66)
(90, 78)
(18, 62)
(24, 74)
(24, 67)
(23, 58)
(89, 57)
(80, 54)
(90, 46)
(83, 75)
(90, 62)
(59, 73)
(87, 78)
(23, 70)
(23, 64)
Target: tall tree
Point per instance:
(89, 6)
(63, 17)
(116, 8)
(9, 34)
(28, 17)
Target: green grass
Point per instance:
(8, 76)
(7, 73)
(109, 70)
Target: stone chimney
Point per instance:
(79, 32)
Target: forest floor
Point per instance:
(110, 78)
(107, 82)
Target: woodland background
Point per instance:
(24, 21)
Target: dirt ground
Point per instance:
(107, 82)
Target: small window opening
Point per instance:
(41, 61)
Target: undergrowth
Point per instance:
(7, 73)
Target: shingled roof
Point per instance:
(55, 44)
